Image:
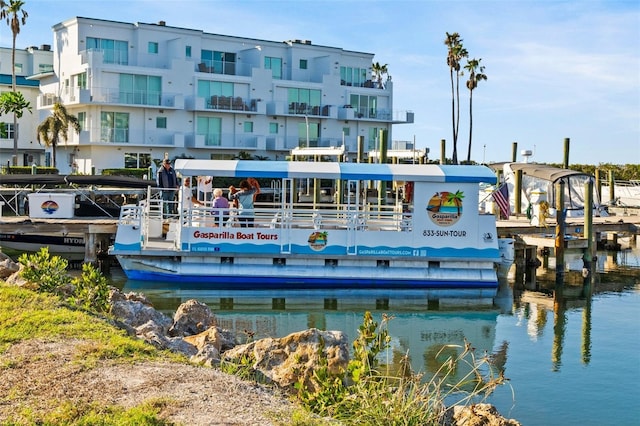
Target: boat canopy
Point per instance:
(335, 170)
(82, 180)
(543, 171)
(538, 180)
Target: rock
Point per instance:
(7, 266)
(17, 280)
(210, 344)
(289, 359)
(137, 313)
(115, 295)
(192, 317)
(477, 415)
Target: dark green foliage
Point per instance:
(89, 291)
(139, 173)
(46, 271)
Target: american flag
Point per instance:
(501, 197)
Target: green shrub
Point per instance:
(368, 394)
(138, 173)
(48, 272)
(89, 291)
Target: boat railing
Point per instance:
(389, 218)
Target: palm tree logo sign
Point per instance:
(445, 208)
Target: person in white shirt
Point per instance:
(188, 199)
(205, 188)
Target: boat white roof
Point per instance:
(334, 170)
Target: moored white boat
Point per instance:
(433, 236)
(60, 197)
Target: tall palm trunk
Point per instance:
(470, 124)
(15, 116)
(454, 155)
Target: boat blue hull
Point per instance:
(268, 282)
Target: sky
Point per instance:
(555, 69)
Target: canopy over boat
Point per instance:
(334, 170)
(84, 180)
(538, 184)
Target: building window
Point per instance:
(140, 89)
(248, 126)
(365, 106)
(275, 65)
(45, 68)
(372, 143)
(219, 62)
(346, 131)
(18, 68)
(304, 101)
(211, 129)
(82, 120)
(187, 51)
(81, 80)
(212, 91)
(350, 76)
(113, 51)
(161, 122)
(309, 131)
(152, 47)
(137, 160)
(273, 128)
(303, 64)
(6, 130)
(114, 127)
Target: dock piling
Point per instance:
(560, 230)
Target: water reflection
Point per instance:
(428, 331)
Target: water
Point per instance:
(571, 360)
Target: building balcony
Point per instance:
(300, 109)
(226, 103)
(286, 144)
(225, 141)
(114, 96)
(347, 112)
(131, 136)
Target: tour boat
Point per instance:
(391, 226)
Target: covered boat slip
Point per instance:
(90, 195)
(538, 184)
(430, 235)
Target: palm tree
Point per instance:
(13, 102)
(14, 14)
(56, 126)
(455, 198)
(378, 72)
(476, 74)
(455, 54)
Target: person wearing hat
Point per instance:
(168, 182)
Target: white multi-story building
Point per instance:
(146, 91)
(30, 62)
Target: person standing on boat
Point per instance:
(205, 188)
(188, 199)
(220, 207)
(168, 182)
(246, 196)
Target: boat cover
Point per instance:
(334, 170)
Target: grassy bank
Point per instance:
(39, 321)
